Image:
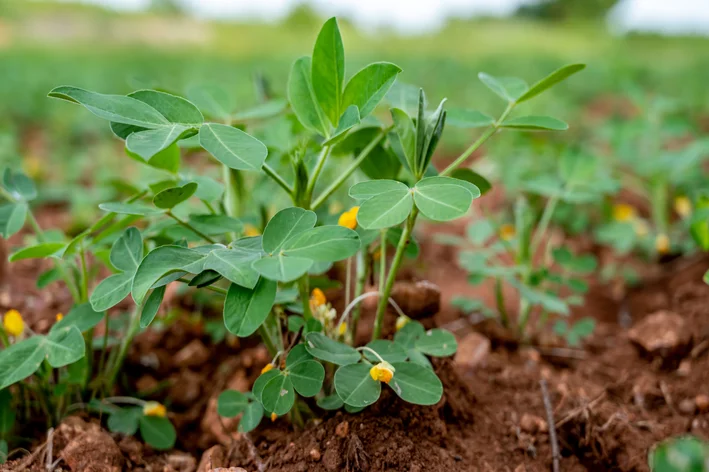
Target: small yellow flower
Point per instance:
(317, 298)
(266, 368)
(662, 243)
(683, 206)
(273, 416)
(382, 372)
(251, 231)
(154, 409)
(59, 317)
(13, 323)
(641, 228)
(349, 218)
(402, 321)
(623, 212)
(507, 232)
(342, 329)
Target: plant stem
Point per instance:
(104, 350)
(348, 284)
(492, 129)
(500, 300)
(316, 172)
(544, 223)
(350, 170)
(190, 227)
(277, 178)
(231, 191)
(363, 266)
(304, 291)
(382, 259)
(395, 263)
(267, 339)
(84, 276)
(133, 327)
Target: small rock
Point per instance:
(685, 368)
(93, 452)
(185, 387)
(663, 335)
(417, 299)
(532, 424)
(702, 402)
(213, 457)
(227, 469)
(180, 462)
(315, 455)
(342, 429)
(147, 384)
(473, 351)
(193, 354)
(687, 406)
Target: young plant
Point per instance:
(685, 454)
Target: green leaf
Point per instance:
(468, 175)
(551, 80)
(507, 88)
(440, 199)
(230, 403)
(158, 432)
(232, 147)
(246, 309)
(329, 350)
(278, 394)
(171, 197)
(416, 384)
(331, 402)
(328, 70)
(349, 119)
(21, 360)
(385, 210)
(7, 413)
(19, 185)
(535, 123)
(127, 251)
(261, 382)
(167, 159)
(139, 209)
(116, 108)
(681, 454)
(302, 98)
(282, 268)
(464, 118)
(387, 350)
(213, 100)
(12, 218)
(371, 188)
(50, 276)
(284, 225)
(149, 143)
(124, 420)
(111, 291)
(175, 109)
(407, 335)
(213, 225)
(368, 86)
(355, 386)
(251, 417)
(418, 358)
(437, 342)
(234, 265)
(38, 251)
(207, 188)
(262, 111)
(324, 243)
(83, 316)
(64, 346)
(406, 135)
(307, 377)
(205, 278)
(160, 262)
(298, 354)
(151, 307)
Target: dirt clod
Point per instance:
(193, 354)
(687, 406)
(342, 429)
(473, 351)
(532, 424)
(702, 402)
(417, 299)
(93, 452)
(212, 458)
(662, 335)
(315, 455)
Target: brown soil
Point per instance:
(610, 403)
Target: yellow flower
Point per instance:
(349, 218)
(662, 243)
(154, 409)
(623, 212)
(317, 298)
(382, 372)
(377, 255)
(251, 231)
(13, 323)
(641, 228)
(342, 329)
(507, 232)
(402, 321)
(33, 166)
(273, 416)
(266, 368)
(59, 317)
(683, 206)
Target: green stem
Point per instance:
(190, 227)
(231, 191)
(84, 276)
(395, 263)
(267, 340)
(316, 172)
(500, 300)
(544, 223)
(104, 352)
(278, 179)
(382, 259)
(492, 129)
(209, 207)
(3, 337)
(348, 172)
(363, 266)
(133, 327)
(304, 291)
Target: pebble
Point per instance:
(687, 406)
(342, 429)
(663, 334)
(685, 368)
(315, 455)
(532, 424)
(702, 403)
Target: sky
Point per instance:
(668, 16)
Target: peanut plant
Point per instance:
(191, 229)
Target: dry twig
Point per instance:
(552, 429)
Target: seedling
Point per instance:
(686, 454)
(191, 229)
